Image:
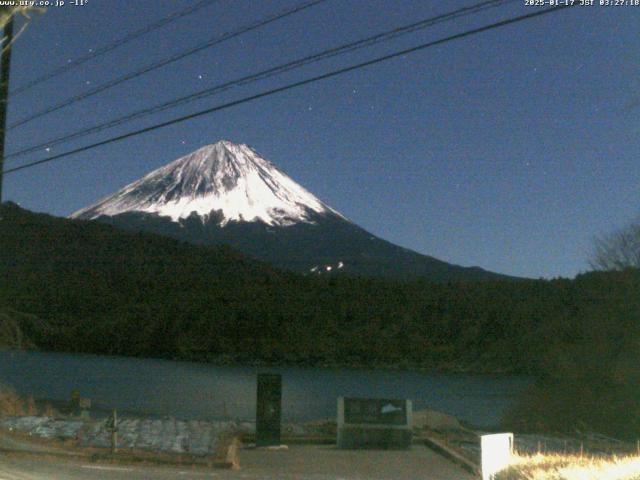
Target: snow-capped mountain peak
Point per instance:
(228, 178)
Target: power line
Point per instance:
(291, 86)
(112, 46)
(162, 63)
(342, 49)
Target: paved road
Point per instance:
(297, 463)
(328, 463)
(31, 468)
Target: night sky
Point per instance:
(509, 150)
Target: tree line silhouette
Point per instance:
(95, 289)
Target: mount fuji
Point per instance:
(226, 193)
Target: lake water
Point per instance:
(201, 391)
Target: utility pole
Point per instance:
(5, 64)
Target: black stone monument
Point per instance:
(269, 410)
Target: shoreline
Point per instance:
(433, 368)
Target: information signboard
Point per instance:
(375, 411)
(374, 423)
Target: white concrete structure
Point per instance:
(495, 453)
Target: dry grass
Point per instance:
(10, 403)
(13, 405)
(571, 467)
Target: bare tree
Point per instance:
(618, 250)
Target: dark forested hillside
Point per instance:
(107, 291)
(93, 288)
(328, 240)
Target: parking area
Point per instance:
(297, 462)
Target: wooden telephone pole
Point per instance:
(5, 64)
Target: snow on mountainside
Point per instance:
(226, 194)
(223, 177)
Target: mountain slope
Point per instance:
(227, 194)
(226, 178)
(98, 289)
